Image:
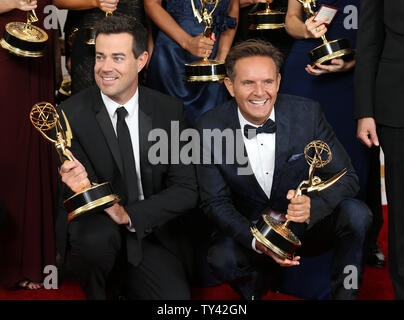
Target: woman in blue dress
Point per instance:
(180, 41)
(332, 86)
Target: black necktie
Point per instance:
(127, 155)
(268, 127)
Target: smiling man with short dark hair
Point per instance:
(110, 123)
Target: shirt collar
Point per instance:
(243, 121)
(131, 106)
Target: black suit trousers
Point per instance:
(392, 142)
(98, 257)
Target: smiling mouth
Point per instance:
(258, 102)
(109, 78)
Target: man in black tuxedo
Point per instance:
(110, 124)
(234, 197)
(379, 92)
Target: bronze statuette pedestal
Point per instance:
(266, 19)
(329, 50)
(24, 39)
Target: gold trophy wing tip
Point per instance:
(68, 132)
(196, 12)
(329, 182)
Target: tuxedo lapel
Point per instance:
(145, 126)
(234, 123)
(283, 136)
(103, 119)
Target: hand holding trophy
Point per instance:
(205, 70)
(275, 235)
(266, 19)
(329, 50)
(24, 39)
(44, 117)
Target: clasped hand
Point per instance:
(337, 65)
(298, 211)
(74, 175)
(200, 45)
(315, 29)
(25, 5)
(107, 5)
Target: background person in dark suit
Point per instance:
(145, 226)
(235, 201)
(379, 94)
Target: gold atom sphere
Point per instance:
(317, 153)
(43, 116)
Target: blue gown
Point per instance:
(166, 69)
(334, 91)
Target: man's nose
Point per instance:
(106, 65)
(259, 89)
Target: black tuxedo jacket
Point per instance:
(170, 190)
(233, 201)
(379, 70)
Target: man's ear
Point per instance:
(142, 60)
(229, 85)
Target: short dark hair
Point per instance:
(252, 48)
(124, 24)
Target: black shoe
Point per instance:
(376, 258)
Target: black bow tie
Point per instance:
(268, 127)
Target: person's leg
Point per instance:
(160, 276)
(392, 142)
(250, 274)
(345, 230)
(95, 242)
(375, 257)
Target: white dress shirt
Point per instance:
(261, 156)
(132, 121)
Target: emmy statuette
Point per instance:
(205, 70)
(24, 39)
(276, 235)
(329, 50)
(44, 117)
(266, 19)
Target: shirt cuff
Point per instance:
(130, 226)
(253, 246)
